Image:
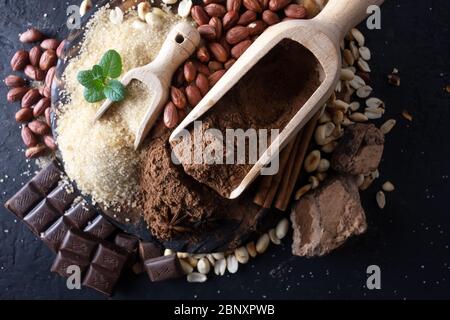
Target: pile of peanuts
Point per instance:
(34, 91)
(227, 29)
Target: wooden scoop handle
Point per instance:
(341, 15)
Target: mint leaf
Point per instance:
(97, 73)
(115, 91)
(93, 95)
(111, 64)
(86, 78)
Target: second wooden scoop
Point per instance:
(322, 36)
(179, 45)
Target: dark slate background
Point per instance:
(409, 239)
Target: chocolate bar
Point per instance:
(80, 215)
(149, 250)
(163, 268)
(54, 235)
(100, 228)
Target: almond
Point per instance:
(24, 115)
(264, 4)
(36, 151)
(295, 11)
(229, 64)
(215, 10)
(234, 5)
(20, 60)
(276, 5)
(47, 92)
(193, 95)
(202, 83)
(225, 45)
(253, 5)
(218, 51)
(199, 15)
(35, 56)
(49, 77)
(215, 77)
(48, 60)
(49, 141)
(230, 19)
(41, 106)
(34, 73)
(15, 94)
(207, 32)
(50, 44)
(38, 127)
(256, 28)
(240, 48)
(30, 98)
(48, 116)
(31, 35)
(247, 17)
(60, 49)
(237, 34)
(203, 69)
(215, 66)
(13, 81)
(178, 97)
(170, 115)
(203, 54)
(216, 23)
(28, 137)
(190, 71)
(270, 17)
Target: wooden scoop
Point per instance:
(179, 45)
(322, 36)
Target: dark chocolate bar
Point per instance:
(61, 198)
(163, 268)
(149, 250)
(100, 228)
(23, 201)
(54, 235)
(127, 242)
(100, 279)
(65, 259)
(79, 243)
(80, 214)
(41, 217)
(109, 258)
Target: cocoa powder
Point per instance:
(267, 97)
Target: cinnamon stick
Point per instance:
(287, 187)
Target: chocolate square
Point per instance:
(61, 198)
(41, 217)
(47, 178)
(54, 235)
(23, 201)
(127, 242)
(163, 268)
(100, 228)
(64, 260)
(109, 258)
(149, 250)
(80, 214)
(78, 243)
(100, 279)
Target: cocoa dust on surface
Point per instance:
(267, 97)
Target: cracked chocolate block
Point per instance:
(61, 198)
(127, 242)
(110, 258)
(359, 151)
(100, 228)
(78, 243)
(163, 268)
(47, 178)
(54, 235)
(325, 218)
(100, 279)
(149, 250)
(66, 259)
(80, 214)
(23, 201)
(41, 217)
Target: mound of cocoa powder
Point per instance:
(267, 97)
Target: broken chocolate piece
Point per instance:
(100, 279)
(100, 228)
(359, 151)
(149, 250)
(323, 219)
(127, 242)
(163, 268)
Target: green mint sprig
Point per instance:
(99, 83)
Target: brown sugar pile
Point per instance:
(267, 97)
(175, 203)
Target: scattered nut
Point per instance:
(263, 243)
(301, 192)
(232, 264)
(203, 266)
(388, 126)
(116, 16)
(312, 161)
(242, 255)
(282, 228)
(85, 6)
(196, 277)
(407, 115)
(388, 186)
(381, 199)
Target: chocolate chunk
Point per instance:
(100, 279)
(109, 258)
(100, 228)
(149, 250)
(66, 259)
(359, 151)
(126, 241)
(78, 243)
(41, 217)
(47, 178)
(163, 268)
(54, 235)
(80, 214)
(322, 220)
(61, 198)
(23, 200)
